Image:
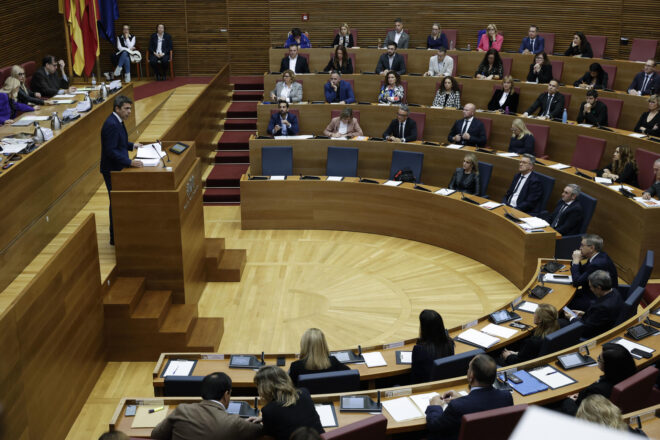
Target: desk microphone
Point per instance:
(378, 397)
(158, 154)
(263, 362)
(256, 405)
(581, 174)
(359, 350)
(161, 147)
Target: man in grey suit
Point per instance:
(209, 418)
(397, 35)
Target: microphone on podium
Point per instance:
(164, 149)
(161, 157)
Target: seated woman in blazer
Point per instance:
(314, 356)
(580, 47)
(9, 106)
(466, 178)
(491, 39)
(343, 125)
(340, 62)
(343, 37)
(545, 319)
(448, 94)
(623, 168)
(287, 90)
(595, 78)
(522, 140)
(540, 71)
(25, 95)
(649, 122)
(433, 343)
(506, 98)
(491, 66)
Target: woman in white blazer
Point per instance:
(287, 90)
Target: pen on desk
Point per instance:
(153, 410)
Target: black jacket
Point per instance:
(597, 116)
(477, 132)
(280, 421)
(543, 77)
(601, 82)
(47, 85)
(398, 64)
(570, 220)
(462, 182)
(511, 101)
(409, 131)
(530, 194)
(556, 105)
(301, 64)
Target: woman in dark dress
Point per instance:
(595, 78)
(540, 71)
(545, 319)
(491, 66)
(314, 356)
(433, 343)
(344, 37)
(340, 62)
(286, 408)
(649, 122)
(522, 140)
(505, 98)
(466, 178)
(623, 168)
(580, 47)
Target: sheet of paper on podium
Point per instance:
(374, 359)
(150, 155)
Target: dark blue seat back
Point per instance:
(277, 161)
(548, 184)
(453, 366)
(411, 160)
(565, 246)
(485, 171)
(629, 308)
(342, 161)
(588, 207)
(644, 272)
(332, 382)
(562, 338)
(183, 386)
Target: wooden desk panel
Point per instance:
(374, 120)
(418, 62)
(421, 90)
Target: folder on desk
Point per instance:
(403, 357)
(529, 384)
(179, 367)
(476, 338)
(552, 377)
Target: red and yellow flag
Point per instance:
(82, 15)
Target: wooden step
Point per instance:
(206, 334)
(215, 247)
(230, 267)
(123, 297)
(154, 306)
(179, 323)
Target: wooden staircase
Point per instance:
(223, 264)
(140, 324)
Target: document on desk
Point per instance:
(490, 205)
(475, 337)
(179, 367)
(527, 306)
(326, 412)
(535, 222)
(507, 154)
(145, 419)
(300, 136)
(445, 192)
(405, 357)
(67, 96)
(277, 178)
(423, 400)
(455, 146)
(558, 278)
(499, 331)
(150, 151)
(402, 409)
(617, 187)
(651, 203)
(602, 180)
(334, 178)
(585, 125)
(558, 166)
(637, 135)
(630, 346)
(63, 101)
(552, 377)
(392, 183)
(150, 162)
(374, 359)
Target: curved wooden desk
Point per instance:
(468, 61)
(421, 90)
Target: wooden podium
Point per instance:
(159, 227)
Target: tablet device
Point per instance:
(179, 148)
(574, 360)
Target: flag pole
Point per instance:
(67, 40)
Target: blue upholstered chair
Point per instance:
(277, 161)
(412, 160)
(342, 161)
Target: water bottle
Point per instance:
(506, 110)
(93, 80)
(104, 91)
(38, 135)
(564, 117)
(451, 45)
(55, 123)
(88, 99)
(468, 46)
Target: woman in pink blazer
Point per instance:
(343, 125)
(491, 39)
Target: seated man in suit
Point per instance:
(208, 418)
(403, 128)
(469, 130)
(446, 423)
(592, 111)
(591, 248)
(533, 43)
(160, 45)
(551, 103)
(440, 64)
(338, 91)
(391, 61)
(283, 123)
(567, 216)
(526, 189)
(46, 81)
(294, 62)
(603, 311)
(397, 36)
(646, 82)
(343, 125)
(654, 190)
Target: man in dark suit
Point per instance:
(115, 146)
(391, 61)
(604, 310)
(469, 130)
(646, 82)
(403, 128)
(283, 123)
(526, 190)
(592, 111)
(551, 103)
(337, 90)
(160, 46)
(654, 189)
(294, 62)
(591, 248)
(533, 43)
(445, 423)
(47, 82)
(209, 418)
(567, 216)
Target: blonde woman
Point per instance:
(466, 178)
(288, 89)
(522, 140)
(491, 39)
(545, 319)
(285, 407)
(314, 356)
(25, 95)
(9, 106)
(598, 409)
(344, 37)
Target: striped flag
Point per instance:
(82, 16)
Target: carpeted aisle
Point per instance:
(156, 87)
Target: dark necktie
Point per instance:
(533, 45)
(547, 112)
(516, 188)
(400, 130)
(646, 82)
(561, 211)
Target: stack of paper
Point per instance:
(527, 306)
(552, 377)
(455, 146)
(499, 331)
(602, 180)
(374, 359)
(334, 179)
(508, 154)
(652, 203)
(402, 409)
(277, 178)
(445, 192)
(637, 135)
(558, 166)
(490, 205)
(423, 400)
(300, 136)
(480, 339)
(392, 183)
(535, 222)
(179, 367)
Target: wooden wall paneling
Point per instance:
(207, 45)
(249, 37)
(13, 421)
(639, 19)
